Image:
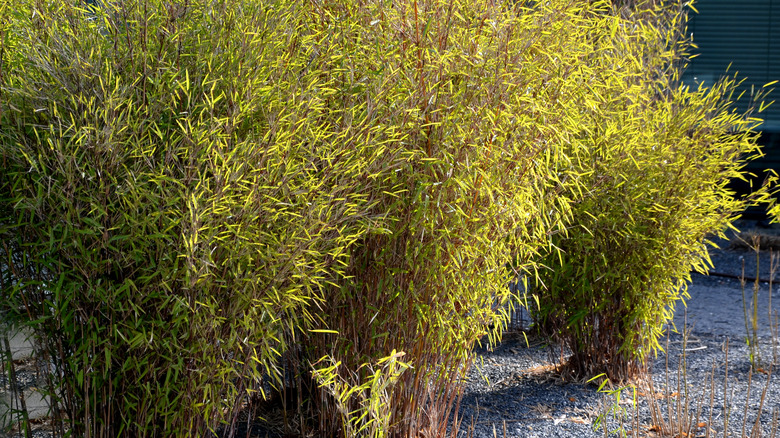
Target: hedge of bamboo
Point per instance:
(655, 157)
(209, 204)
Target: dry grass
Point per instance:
(676, 411)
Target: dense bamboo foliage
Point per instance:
(181, 186)
(654, 158)
(206, 206)
(192, 188)
(478, 93)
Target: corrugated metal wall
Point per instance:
(745, 34)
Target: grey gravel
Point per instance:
(514, 392)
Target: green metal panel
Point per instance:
(744, 34)
(774, 65)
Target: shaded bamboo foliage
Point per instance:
(656, 158)
(180, 184)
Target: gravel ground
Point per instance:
(513, 391)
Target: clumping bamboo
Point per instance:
(208, 206)
(211, 205)
(655, 157)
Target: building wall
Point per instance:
(745, 34)
(742, 37)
